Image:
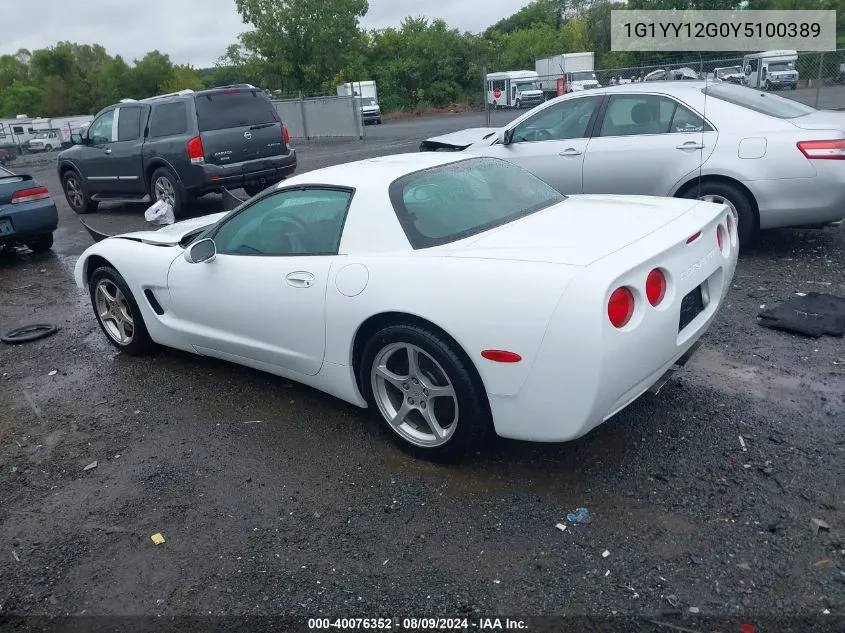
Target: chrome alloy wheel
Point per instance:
(74, 192)
(722, 200)
(164, 190)
(114, 312)
(414, 394)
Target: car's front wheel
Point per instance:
(41, 244)
(425, 393)
(117, 312)
(76, 195)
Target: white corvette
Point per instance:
(455, 295)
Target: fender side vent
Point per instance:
(154, 304)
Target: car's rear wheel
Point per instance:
(165, 186)
(424, 393)
(736, 200)
(117, 312)
(41, 244)
(76, 194)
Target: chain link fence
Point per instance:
(813, 78)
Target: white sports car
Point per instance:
(454, 295)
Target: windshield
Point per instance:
(763, 102)
(522, 86)
(41, 135)
(368, 101)
(781, 66)
(727, 71)
(584, 76)
(455, 201)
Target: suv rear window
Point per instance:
(221, 110)
(457, 200)
(759, 101)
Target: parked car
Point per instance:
(28, 215)
(774, 161)
(531, 314)
(176, 147)
(370, 111)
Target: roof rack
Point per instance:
(250, 86)
(180, 93)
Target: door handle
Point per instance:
(570, 151)
(107, 150)
(690, 145)
(300, 279)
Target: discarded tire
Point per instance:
(29, 333)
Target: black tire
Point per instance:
(254, 190)
(81, 204)
(179, 194)
(140, 342)
(378, 121)
(474, 425)
(41, 244)
(518, 104)
(747, 220)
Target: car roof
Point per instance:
(381, 170)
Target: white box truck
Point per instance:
(366, 94)
(576, 69)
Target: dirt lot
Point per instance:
(276, 499)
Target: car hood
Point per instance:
(585, 228)
(464, 138)
(172, 234)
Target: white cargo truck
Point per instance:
(366, 94)
(575, 71)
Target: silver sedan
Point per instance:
(775, 162)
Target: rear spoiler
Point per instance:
(230, 202)
(21, 177)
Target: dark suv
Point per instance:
(177, 147)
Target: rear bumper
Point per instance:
(29, 220)
(587, 371)
(252, 172)
(801, 201)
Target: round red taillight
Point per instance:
(620, 307)
(719, 237)
(655, 287)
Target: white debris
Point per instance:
(91, 466)
(496, 582)
(605, 554)
(385, 562)
(15, 556)
(742, 443)
(561, 527)
(53, 373)
(694, 610)
(607, 573)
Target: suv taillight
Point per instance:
(285, 134)
(195, 150)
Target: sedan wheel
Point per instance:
(415, 395)
(114, 312)
(717, 199)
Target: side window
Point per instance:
(308, 222)
(101, 130)
(564, 120)
(17, 129)
(169, 119)
(637, 114)
(685, 120)
(129, 123)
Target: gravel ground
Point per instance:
(275, 499)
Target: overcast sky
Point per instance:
(195, 31)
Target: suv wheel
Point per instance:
(164, 186)
(76, 195)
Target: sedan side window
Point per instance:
(567, 119)
(301, 222)
(102, 129)
(629, 115)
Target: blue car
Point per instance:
(28, 215)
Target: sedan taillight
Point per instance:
(29, 195)
(823, 150)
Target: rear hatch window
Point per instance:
(238, 126)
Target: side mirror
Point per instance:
(202, 251)
(76, 139)
(504, 136)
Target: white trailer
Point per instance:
(358, 89)
(577, 69)
(514, 89)
(55, 133)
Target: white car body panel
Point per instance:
(538, 285)
(788, 189)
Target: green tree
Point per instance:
(21, 98)
(305, 39)
(182, 78)
(11, 70)
(148, 75)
